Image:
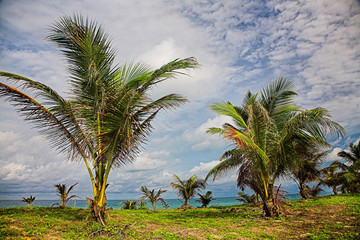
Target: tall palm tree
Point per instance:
(109, 113)
(64, 193)
(307, 170)
(187, 189)
(152, 196)
(351, 169)
(266, 131)
(205, 199)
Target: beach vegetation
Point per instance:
(152, 196)
(28, 200)
(267, 130)
(187, 189)
(109, 111)
(205, 199)
(64, 193)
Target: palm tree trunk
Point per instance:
(303, 192)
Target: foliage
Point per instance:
(152, 196)
(267, 131)
(333, 216)
(129, 204)
(187, 189)
(350, 174)
(205, 199)
(64, 193)
(330, 176)
(109, 112)
(308, 170)
(28, 200)
(245, 198)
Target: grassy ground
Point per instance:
(331, 217)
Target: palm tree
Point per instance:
(109, 112)
(64, 193)
(29, 200)
(205, 199)
(351, 169)
(331, 177)
(307, 170)
(266, 131)
(245, 198)
(187, 189)
(152, 196)
(129, 204)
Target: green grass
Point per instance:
(331, 217)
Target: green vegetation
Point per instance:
(187, 189)
(152, 196)
(64, 193)
(205, 199)
(271, 135)
(28, 200)
(109, 113)
(330, 217)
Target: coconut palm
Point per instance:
(64, 193)
(205, 199)
(266, 131)
(29, 200)
(245, 198)
(307, 170)
(152, 196)
(187, 189)
(330, 176)
(351, 169)
(108, 114)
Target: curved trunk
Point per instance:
(334, 190)
(303, 192)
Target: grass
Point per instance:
(330, 217)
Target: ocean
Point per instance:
(116, 204)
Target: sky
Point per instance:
(241, 45)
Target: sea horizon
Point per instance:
(116, 204)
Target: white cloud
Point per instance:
(332, 156)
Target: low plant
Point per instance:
(29, 200)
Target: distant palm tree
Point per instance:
(266, 130)
(245, 198)
(331, 177)
(351, 170)
(109, 111)
(29, 200)
(152, 196)
(307, 170)
(187, 189)
(129, 204)
(64, 193)
(205, 199)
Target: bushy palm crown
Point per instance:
(152, 196)
(64, 193)
(109, 112)
(267, 129)
(28, 200)
(205, 199)
(187, 189)
(350, 174)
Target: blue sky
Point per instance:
(241, 45)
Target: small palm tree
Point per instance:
(152, 196)
(64, 193)
(29, 200)
(331, 177)
(205, 199)
(187, 189)
(129, 204)
(246, 198)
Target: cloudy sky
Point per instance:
(241, 45)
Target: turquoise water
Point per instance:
(116, 204)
